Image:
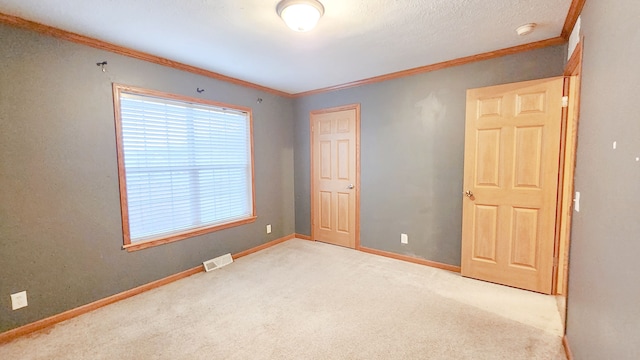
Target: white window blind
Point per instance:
(187, 165)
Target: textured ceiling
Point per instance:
(354, 40)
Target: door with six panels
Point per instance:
(334, 172)
(512, 147)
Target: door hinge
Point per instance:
(565, 101)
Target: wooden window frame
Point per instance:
(118, 89)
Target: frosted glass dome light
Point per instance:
(300, 15)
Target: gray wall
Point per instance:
(604, 292)
(412, 143)
(60, 227)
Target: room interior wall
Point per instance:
(412, 145)
(61, 230)
(603, 319)
(60, 225)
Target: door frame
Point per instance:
(314, 214)
(573, 71)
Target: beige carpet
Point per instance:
(307, 300)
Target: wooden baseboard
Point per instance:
(69, 314)
(303, 237)
(567, 349)
(434, 264)
(263, 246)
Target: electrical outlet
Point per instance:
(19, 300)
(269, 229)
(404, 238)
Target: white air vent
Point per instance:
(218, 262)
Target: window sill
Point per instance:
(185, 235)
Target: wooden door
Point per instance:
(512, 144)
(334, 175)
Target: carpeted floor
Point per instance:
(308, 300)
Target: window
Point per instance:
(185, 166)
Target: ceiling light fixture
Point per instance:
(526, 29)
(300, 15)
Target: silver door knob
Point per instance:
(350, 186)
(468, 193)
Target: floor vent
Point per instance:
(218, 262)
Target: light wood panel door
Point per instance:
(512, 145)
(335, 185)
